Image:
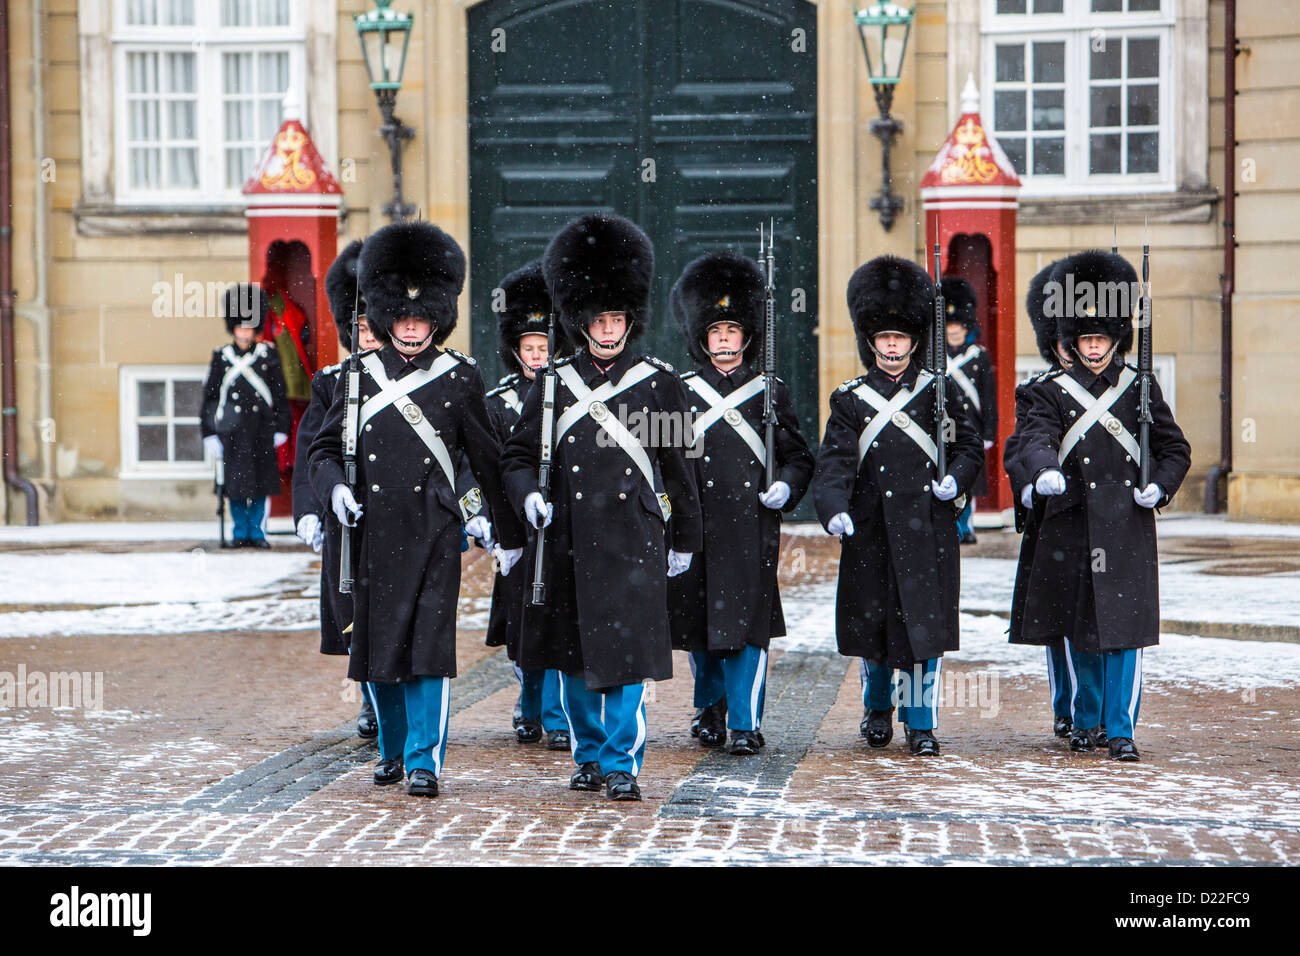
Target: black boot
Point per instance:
(587, 777)
(878, 728)
(713, 724)
(1082, 740)
(528, 730)
(1121, 748)
(621, 785)
(367, 724)
(557, 740)
(922, 743)
(389, 771)
(743, 743)
(422, 783)
(1062, 726)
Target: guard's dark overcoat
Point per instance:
(335, 608)
(508, 593)
(408, 569)
(1095, 576)
(979, 371)
(728, 598)
(606, 615)
(896, 600)
(248, 425)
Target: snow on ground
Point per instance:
(82, 531)
(1176, 525)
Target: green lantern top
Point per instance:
(879, 29)
(385, 35)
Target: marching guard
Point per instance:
(726, 607)
(419, 405)
(971, 367)
(604, 623)
(521, 328)
(245, 415)
(1094, 576)
(877, 486)
(1029, 509)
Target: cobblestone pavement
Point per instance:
(238, 748)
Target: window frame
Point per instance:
(1077, 25)
(131, 467)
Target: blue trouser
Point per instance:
(413, 721)
(1058, 681)
(246, 516)
(539, 697)
(740, 676)
(963, 519)
(615, 740)
(915, 692)
(1107, 690)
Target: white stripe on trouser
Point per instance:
(1051, 673)
(442, 727)
(862, 672)
(1135, 691)
(1074, 678)
(640, 730)
(937, 687)
(564, 706)
(757, 689)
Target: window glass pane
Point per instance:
(273, 72)
(239, 120)
(1143, 105)
(1011, 6)
(1049, 62)
(142, 72)
(273, 13)
(236, 13)
(146, 165)
(239, 166)
(1009, 109)
(1048, 6)
(1015, 150)
(1105, 61)
(1103, 153)
(1143, 152)
(181, 74)
(1049, 157)
(152, 399)
(189, 443)
(143, 122)
(1010, 63)
(152, 442)
(1104, 106)
(237, 72)
(182, 117)
(1106, 6)
(187, 398)
(160, 13)
(1137, 6)
(1049, 109)
(1144, 57)
(180, 13)
(183, 168)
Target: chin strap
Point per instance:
(881, 355)
(1104, 357)
(592, 344)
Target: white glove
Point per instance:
(677, 563)
(212, 445)
(537, 510)
(1050, 483)
(280, 439)
(345, 506)
(1027, 496)
(506, 558)
(987, 444)
(478, 527)
(318, 539)
(945, 490)
(308, 530)
(776, 496)
(840, 524)
(1149, 495)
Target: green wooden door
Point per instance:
(694, 118)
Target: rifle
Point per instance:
(769, 357)
(544, 463)
(1145, 370)
(939, 345)
(352, 408)
(219, 486)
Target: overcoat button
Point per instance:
(577, 494)
(571, 439)
(237, 408)
(882, 467)
(875, 444)
(426, 461)
(1087, 461)
(234, 394)
(622, 496)
(374, 487)
(1072, 413)
(706, 458)
(367, 428)
(1128, 457)
(575, 467)
(446, 404)
(372, 458)
(709, 483)
(889, 494)
(417, 488)
(627, 471)
(746, 484)
(925, 487)
(1092, 484)
(254, 408)
(1127, 483)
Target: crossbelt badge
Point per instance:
(413, 413)
(901, 419)
(599, 411)
(1114, 425)
(732, 416)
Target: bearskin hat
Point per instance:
(243, 305)
(600, 263)
(718, 287)
(1096, 295)
(889, 294)
(1044, 328)
(959, 303)
(411, 269)
(341, 288)
(527, 311)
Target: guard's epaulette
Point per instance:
(851, 384)
(331, 369)
(565, 361)
(1050, 374)
(691, 374)
(506, 385)
(659, 363)
(461, 356)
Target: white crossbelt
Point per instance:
(587, 398)
(241, 366)
(719, 406)
(1097, 409)
(511, 400)
(960, 377)
(397, 394)
(887, 409)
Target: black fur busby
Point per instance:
(717, 287)
(244, 305)
(600, 263)
(411, 269)
(527, 310)
(1044, 328)
(341, 288)
(959, 303)
(1095, 293)
(889, 294)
